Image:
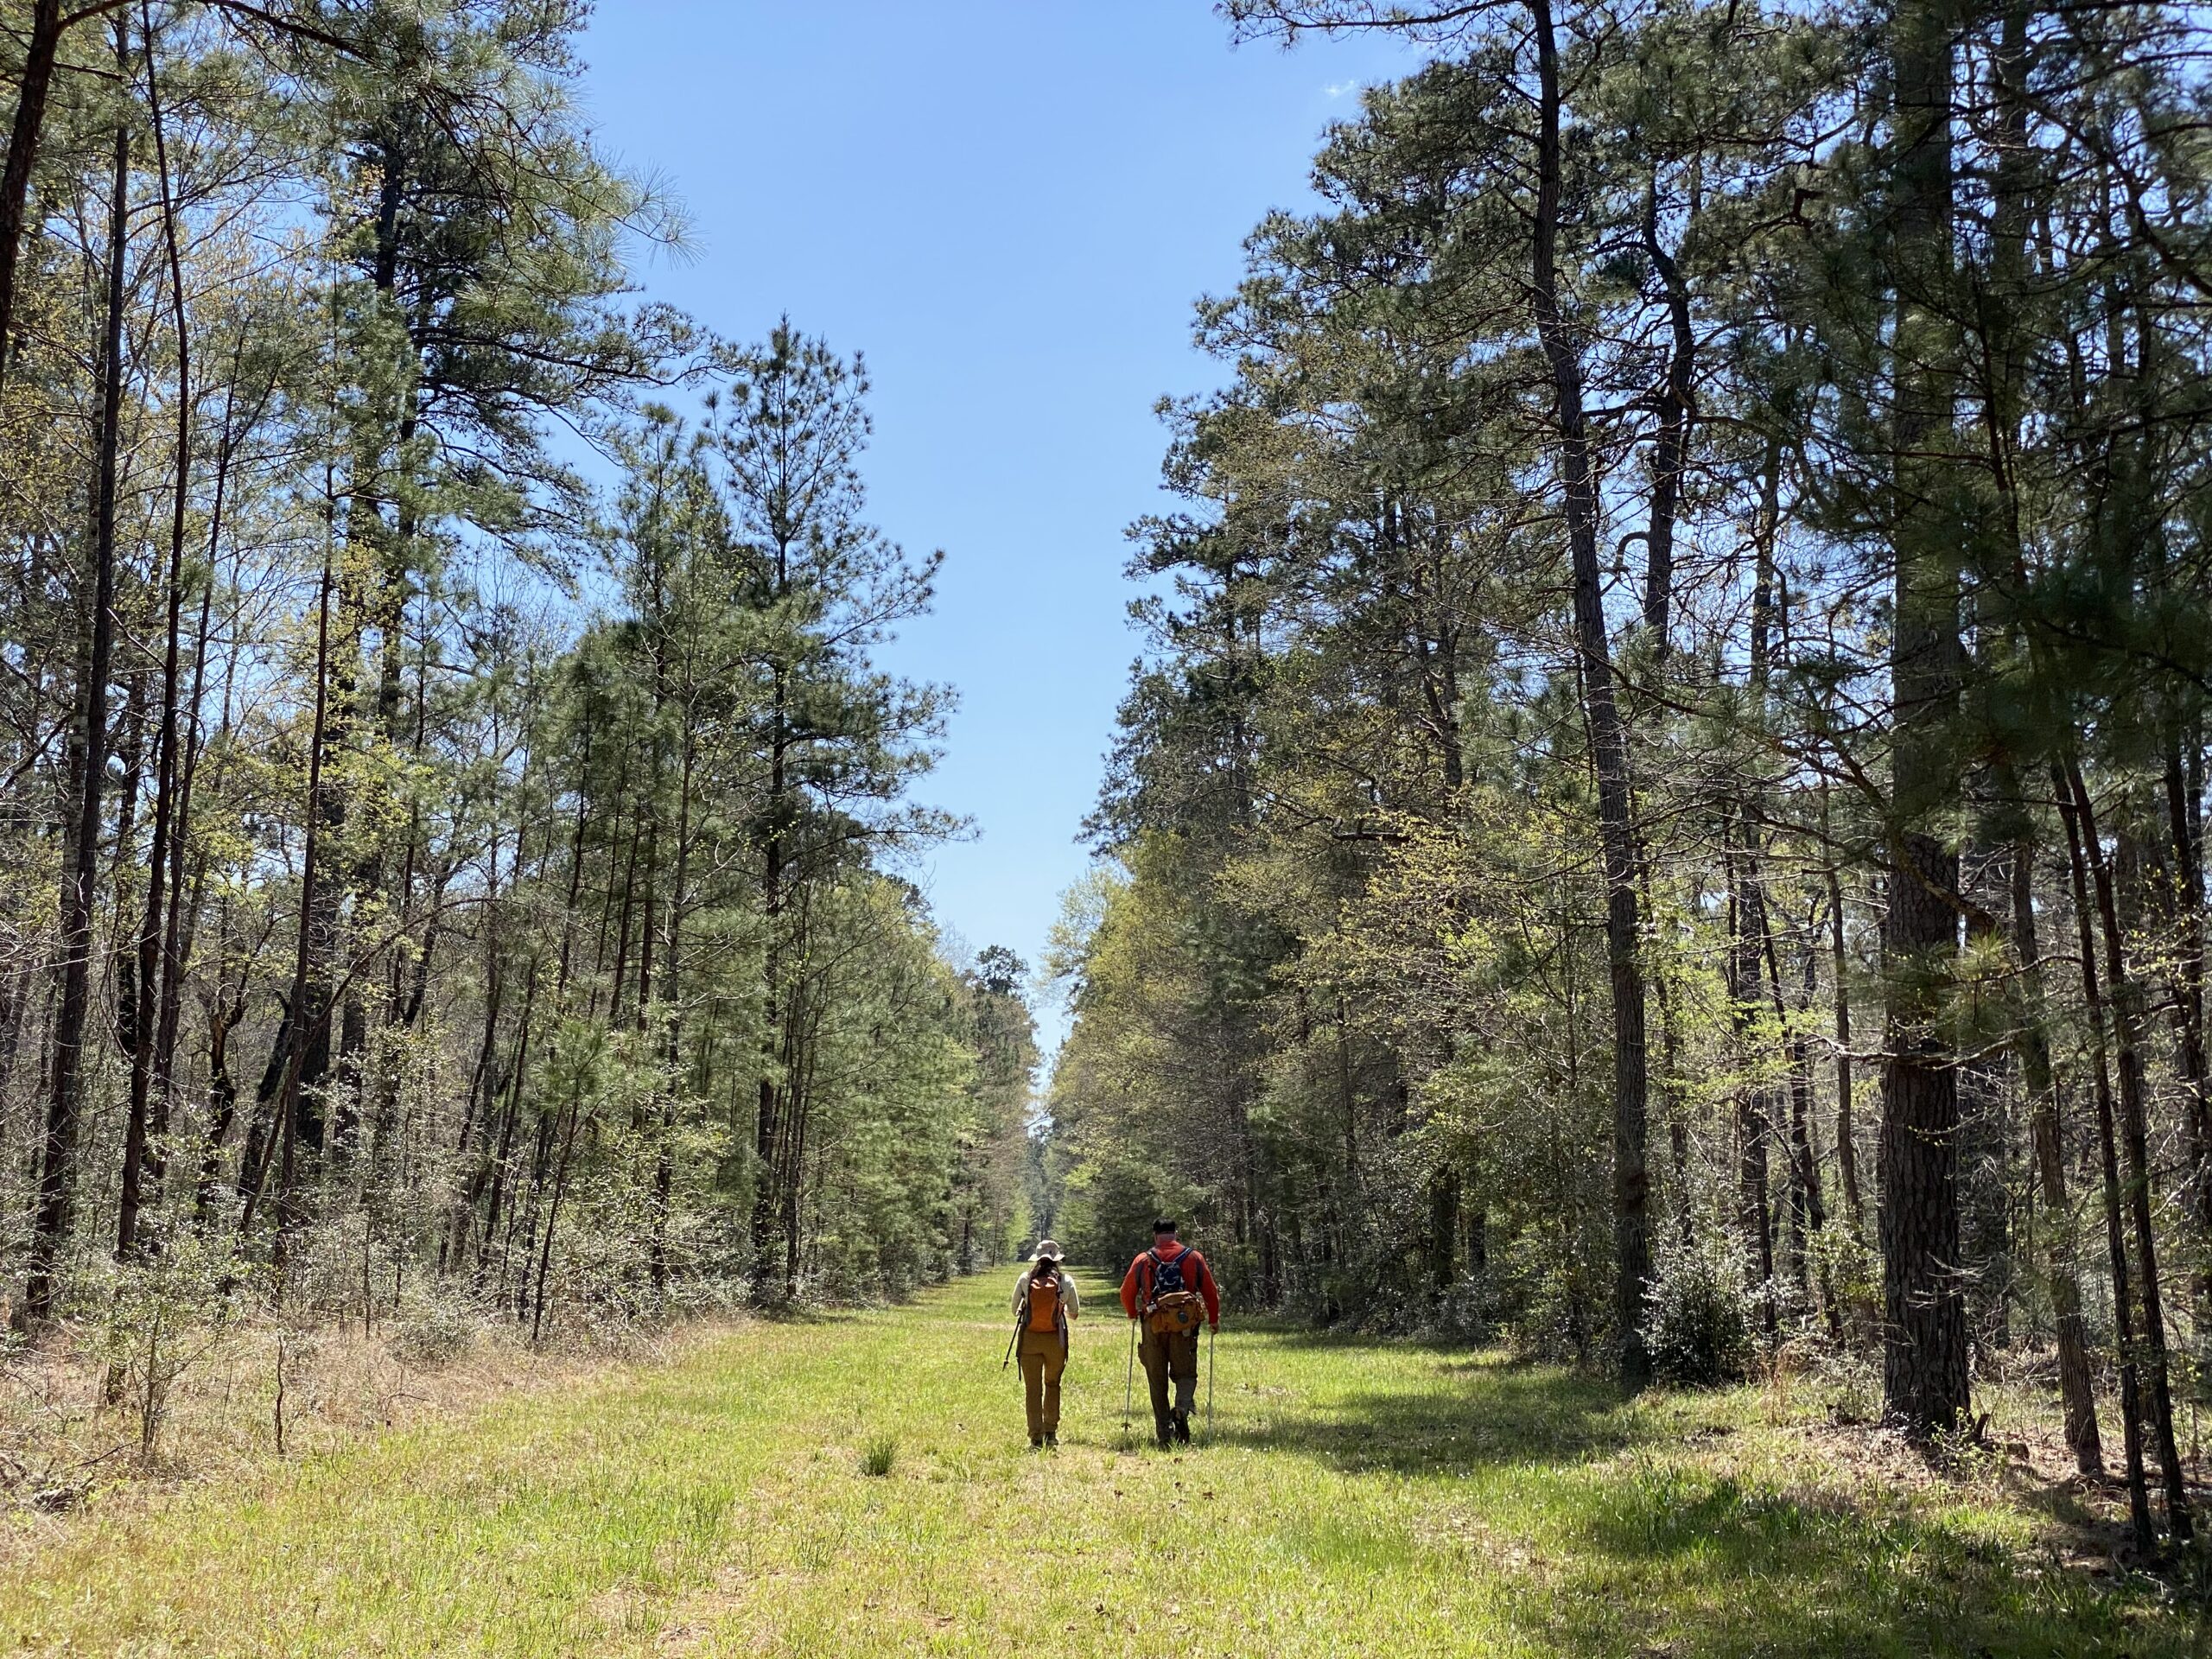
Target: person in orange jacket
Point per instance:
(1163, 1288)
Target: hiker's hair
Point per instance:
(1046, 1268)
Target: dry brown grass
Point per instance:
(68, 1436)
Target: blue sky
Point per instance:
(1008, 206)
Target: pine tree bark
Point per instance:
(1608, 734)
(2076, 1386)
(2123, 1299)
(289, 1210)
(771, 1132)
(1754, 1122)
(2185, 833)
(41, 47)
(1924, 1375)
(1847, 1130)
(155, 975)
(1805, 1170)
(1670, 451)
(2125, 1003)
(88, 771)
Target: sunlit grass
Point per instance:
(1357, 1499)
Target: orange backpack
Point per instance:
(1045, 1304)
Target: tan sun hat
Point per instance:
(1047, 1250)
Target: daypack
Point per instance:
(1045, 1304)
(1175, 1307)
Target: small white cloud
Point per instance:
(1341, 89)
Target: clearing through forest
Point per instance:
(1356, 1497)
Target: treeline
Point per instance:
(432, 872)
(1664, 811)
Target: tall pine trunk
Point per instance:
(1924, 1375)
(141, 1160)
(1608, 733)
(289, 1210)
(41, 47)
(2123, 1299)
(2125, 1002)
(88, 770)
(2033, 1047)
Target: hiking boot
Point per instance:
(1182, 1419)
(1035, 1443)
(1166, 1436)
(1052, 1442)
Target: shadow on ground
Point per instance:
(1622, 1532)
(1744, 1566)
(1464, 1418)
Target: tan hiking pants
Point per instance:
(1044, 1355)
(1166, 1359)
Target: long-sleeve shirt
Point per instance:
(1136, 1284)
(1070, 1303)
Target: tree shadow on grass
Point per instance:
(1283, 1330)
(1470, 1415)
(1626, 1543)
(1674, 1561)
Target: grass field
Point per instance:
(1357, 1498)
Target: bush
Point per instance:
(160, 1317)
(1699, 1315)
(1849, 1274)
(434, 1331)
(1471, 1311)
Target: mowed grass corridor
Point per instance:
(1357, 1498)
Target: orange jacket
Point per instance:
(1136, 1284)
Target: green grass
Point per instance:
(879, 1456)
(1357, 1498)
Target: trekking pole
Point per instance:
(1129, 1382)
(1212, 1331)
(1021, 1318)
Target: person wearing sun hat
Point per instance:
(1045, 1301)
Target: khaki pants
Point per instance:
(1167, 1359)
(1044, 1355)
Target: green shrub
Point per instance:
(879, 1454)
(1700, 1314)
(1848, 1273)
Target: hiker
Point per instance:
(1045, 1301)
(1167, 1288)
